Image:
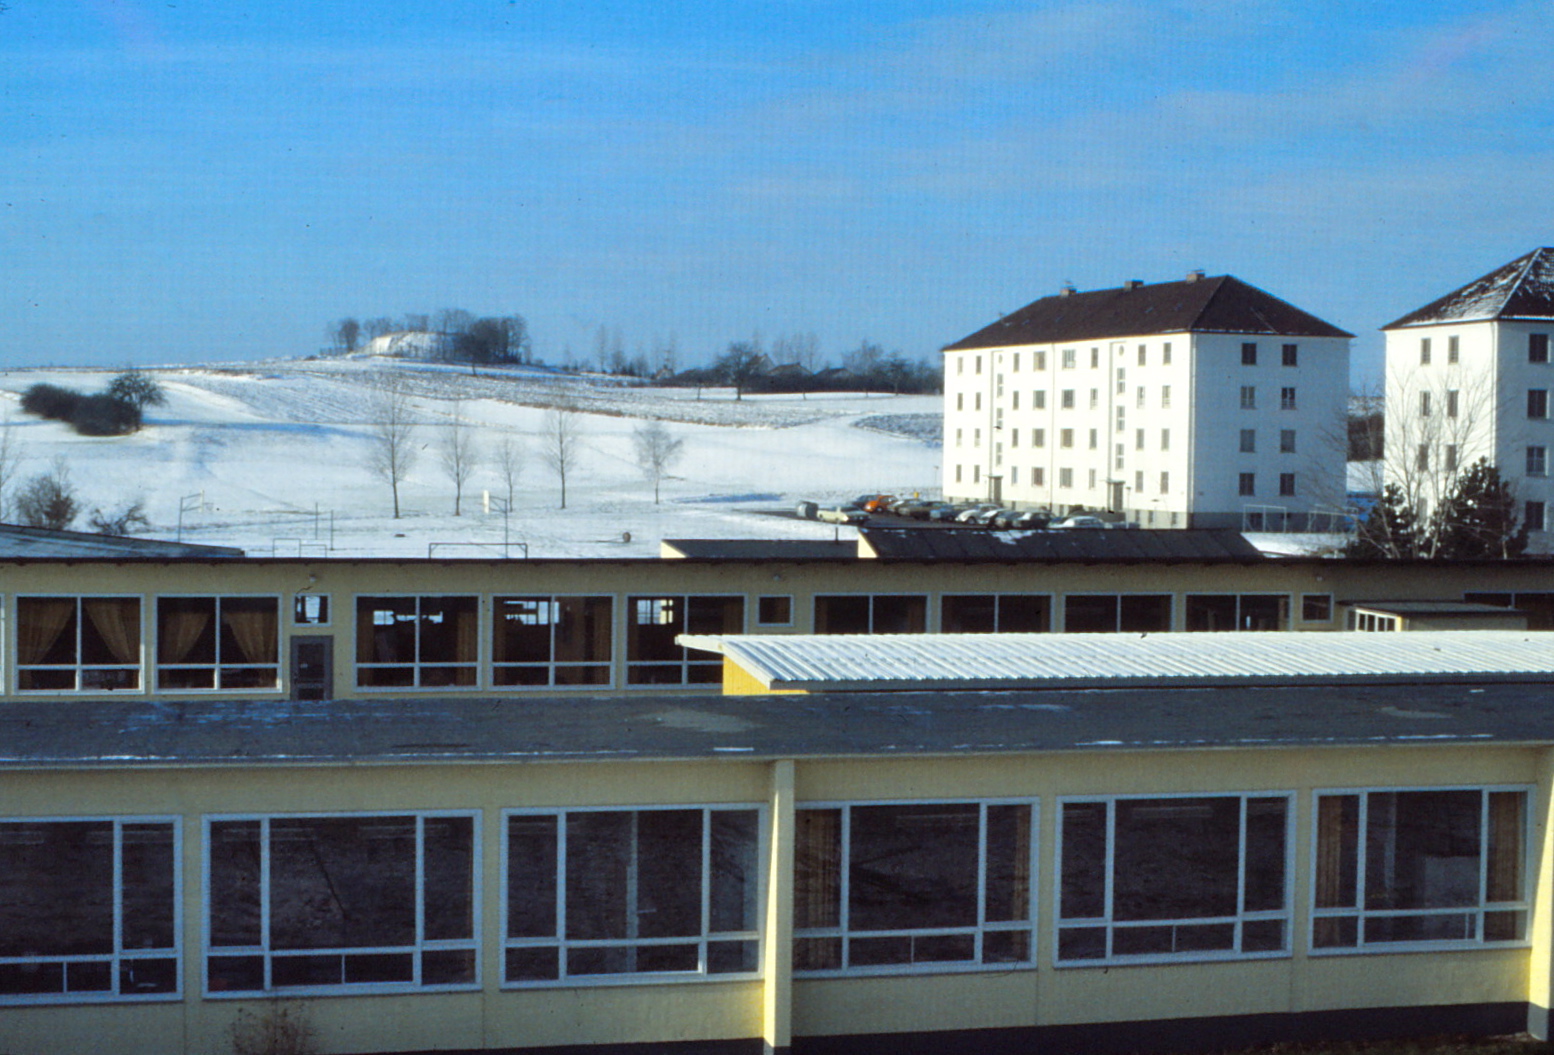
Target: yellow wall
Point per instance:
(715, 1009)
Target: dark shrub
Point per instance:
(103, 415)
(51, 401)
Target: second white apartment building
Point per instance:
(1199, 403)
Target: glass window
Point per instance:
(1537, 461)
(1248, 441)
(1533, 517)
(1246, 484)
(420, 642)
(1165, 353)
(1287, 398)
(89, 910)
(1067, 400)
(774, 611)
(1249, 353)
(1316, 607)
(551, 641)
(1286, 441)
(1537, 402)
(1165, 397)
(1248, 397)
(652, 623)
(1286, 485)
(1109, 613)
(310, 609)
(871, 614)
(77, 644)
(363, 902)
(1537, 347)
(913, 887)
(1203, 877)
(1068, 358)
(1424, 351)
(1424, 404)
(1250, 611)
(594, 893)
(1399, 869)
(991, 613)
(218, 643)
(1291, 355)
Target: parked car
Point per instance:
(1077, 522)
(945, 511)
(1033, 519)
(878, 504)
(970, 514)
(842, 516)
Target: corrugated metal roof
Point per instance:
(971, 661)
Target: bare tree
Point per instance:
(49, 499)
(458, 453)
(657, 451)
(11, 449)
(508, 460)
(561, 444)
(391, 451)
(740, 365)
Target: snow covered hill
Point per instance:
(271, 456)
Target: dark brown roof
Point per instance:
(1206, 305)
(1522, 289)
(1194, 545)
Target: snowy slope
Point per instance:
(270, 456)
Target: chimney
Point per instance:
(1068, 290)
(1133, 283)
(1194, 276)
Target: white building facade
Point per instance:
(1200, 403)
(1469, 376)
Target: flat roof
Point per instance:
(759, 549)
(968, 545)
(32, 543)
(80, 734)
(857, 662)
(1469, 608)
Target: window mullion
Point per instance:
(1241, 874)
(264, 900)
(419, 899)
(844, 895)
(706, 888)
(981, 877)
(118, 903)
(1483, 864)
(560, 865)
(1107, 887)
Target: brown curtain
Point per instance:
(818, 858)
(254, 627)
(466, 629)
(1506, 852)
(178, 628)
(1328, 931)
(117, 621)
(1020, 892)
(39, 622)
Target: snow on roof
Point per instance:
(972, 661)
(1522, 289)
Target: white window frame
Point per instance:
(79, 668)
(979, 930)
(1360, 913)
(783, 622)
(419, 946)
(1240, 917)
(217, 666)
(874, 598)
(417, 663)
(120, 957)
(706, 935)
(552, 665)
(689, 660)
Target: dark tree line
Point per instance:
(746, 367)
(464, 337)
(1478, 519)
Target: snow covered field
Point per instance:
(271, 457)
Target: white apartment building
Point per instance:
(1200, 403)
(1469, 376)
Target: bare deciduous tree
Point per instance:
(508, 461)
(10, 462)
(391, 448)
(49, 499)
(657, 451)
(561, 444)
(458, 453)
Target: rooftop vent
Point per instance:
(1133, 283)
(1194, 276)
(1068, 290)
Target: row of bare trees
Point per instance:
(395, 446)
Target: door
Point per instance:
(312, 668)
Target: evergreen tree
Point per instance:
(1390, 531)
(1478, 518)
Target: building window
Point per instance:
(1247, 485)
(1065, 478)
(1068, 399)
(551, 641)
(310, 609)
(1017, 362)
(1165, 482)
(928, 886)
(1165, 439)
(960, 364)
(1316, 608)
(1110, 613)
(1286, 441)
(976, 474)
(1038, 477)
(1250, 611)
(423, 642)
(1537, 461)
(1068, 358)
(1424, 404)
(1095, 398)
(871, 614)
(977, 400)
(1121, 419)
(1038, 437)
(1451, 402)
(1091, 483)
(1095, 439)
(1138, 481)
(976, 437)
(1014, 474)
(1014, 437)
(1537, 347)
(774, 611)
(1040, 360)
(1165, 354)
(1165, 397)
(218, 642)
(1409, 869)
(77, 644)
(1249, 353)
(1141, 355)
(1039, 399)
(1122, 381)
(1291, 355)
(1424, 351)
(1138, 439)
(991, 613)
(1533, 516)
(1139, 401)
(960, 401)
(1173, 878)
(959, 438)
(1287, 398)
(598, 893)
(1537, 402)
(1014, 397)
(1066, 438)
(1248, 441)
(1286, 485)
(1117, 456)
(1248, 397)
(979, 364)
(1422, 459)
(1451, 457)
(958, 473)
(1095, 358)
(357, 903)
(1453, 350)
(653, 623)
(91, 910)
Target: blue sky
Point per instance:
(185, 181)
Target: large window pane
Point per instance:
(913, 866)
(77, 643)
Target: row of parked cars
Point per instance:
(979, 514)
